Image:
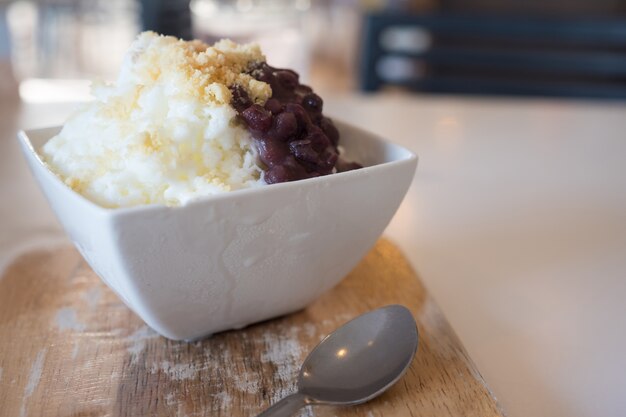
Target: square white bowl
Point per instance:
(226, 261)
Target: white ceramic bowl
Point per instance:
(230, 260)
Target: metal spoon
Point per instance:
(355, 363)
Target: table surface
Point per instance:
(515, 221)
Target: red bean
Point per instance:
(293, 138)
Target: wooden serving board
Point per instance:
(69, 347)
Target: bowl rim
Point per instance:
(23, 135)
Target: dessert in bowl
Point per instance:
(196, 243)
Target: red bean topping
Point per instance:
(293, 138)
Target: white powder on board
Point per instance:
(33, 379)
(75, 350)
(309, 330)
(242, 380)
(66, 320)
(285, 352)
(282, 349)
(170, 399)
(138, 341)
(223, 399)
(177, 371)
(92, 296)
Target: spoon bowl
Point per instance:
(356, 363)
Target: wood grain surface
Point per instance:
(70, 347)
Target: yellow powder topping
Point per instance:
(195, 68)
(164, 132)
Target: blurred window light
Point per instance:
(22, 19)
(70, 38)
(400, 69)
(406, 39)
(277, 25)
(204, 9)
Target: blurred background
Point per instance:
(516, 219)
(566, 48)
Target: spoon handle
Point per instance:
(285, 407)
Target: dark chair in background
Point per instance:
(495, 55)
(167, 17)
